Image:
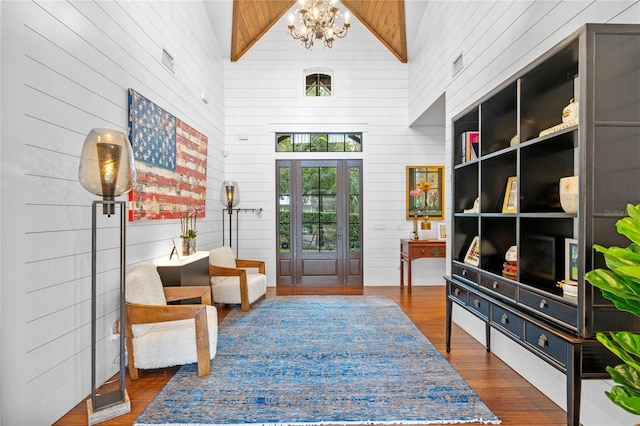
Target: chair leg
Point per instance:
(202, 343)
(244, 293)
(133, 371)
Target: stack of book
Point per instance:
(470, 146)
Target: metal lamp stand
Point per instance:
(229, 212)
(115, 403)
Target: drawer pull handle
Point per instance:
(422, 251)
(476, 303)
(495, 285)
(456, 291)
(504, 319)
(543, 304)
(464, 272)
(542, 341)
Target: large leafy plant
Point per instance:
(620, 283)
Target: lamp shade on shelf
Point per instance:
(106, 167)
(229, 194)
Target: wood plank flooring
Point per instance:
(506, 393)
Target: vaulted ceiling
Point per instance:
(385, 19)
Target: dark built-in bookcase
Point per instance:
(598, 66)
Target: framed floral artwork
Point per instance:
(425, 192)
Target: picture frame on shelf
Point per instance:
(571, 260)
(473, 253)
(510, 204)
(425, 192)
(442, 231)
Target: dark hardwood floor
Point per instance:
(506, 393)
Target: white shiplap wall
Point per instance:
(496, 39)
(264, 95)
(66, 69)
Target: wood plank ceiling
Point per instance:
(384, 18)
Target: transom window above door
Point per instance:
(318, 142)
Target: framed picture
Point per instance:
(510, 204)
(425, 192)
(473, 253)
(571, 260)
(442, 231)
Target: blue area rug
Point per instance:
(307, 360)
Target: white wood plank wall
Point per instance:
(66, 69)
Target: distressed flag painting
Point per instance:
(171, 163)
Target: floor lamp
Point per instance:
(229, 197)
(107, 169)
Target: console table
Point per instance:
(188, 270)
(416, 249)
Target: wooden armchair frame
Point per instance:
(146, 314)
(238, 271)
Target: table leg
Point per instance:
(409, 261)
(401, 272)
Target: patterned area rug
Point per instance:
(308, 360)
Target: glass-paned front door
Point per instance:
(319, 223)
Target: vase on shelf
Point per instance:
(188, 246)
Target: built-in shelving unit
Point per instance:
(599, 68)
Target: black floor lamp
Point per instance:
(107, 169)
(229, 197)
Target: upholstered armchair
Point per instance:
(159, 335)
(231, 282)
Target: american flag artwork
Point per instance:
(171, 163)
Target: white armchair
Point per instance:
(231, 282)
(160, 335)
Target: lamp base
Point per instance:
(111, 410)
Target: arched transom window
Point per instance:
(317, 84)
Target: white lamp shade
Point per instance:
(106, 163)
(229, 193)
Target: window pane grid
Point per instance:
(318, 142)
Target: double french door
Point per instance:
(319, 226)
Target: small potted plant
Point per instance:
(620, 283)
(188, 231)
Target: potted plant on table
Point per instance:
(620, 283)
(188, 231)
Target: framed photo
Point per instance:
(425, 192)
(571, 260)
(442, 231)
(510, 204)
(473, 253)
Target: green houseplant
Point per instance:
(620, 283)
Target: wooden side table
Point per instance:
(416, 249)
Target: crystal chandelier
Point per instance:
(318, 21)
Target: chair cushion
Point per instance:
(227, 290)
(144, 286)
(166, 344)
(223, 257)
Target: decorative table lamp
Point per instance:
(107, 169)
